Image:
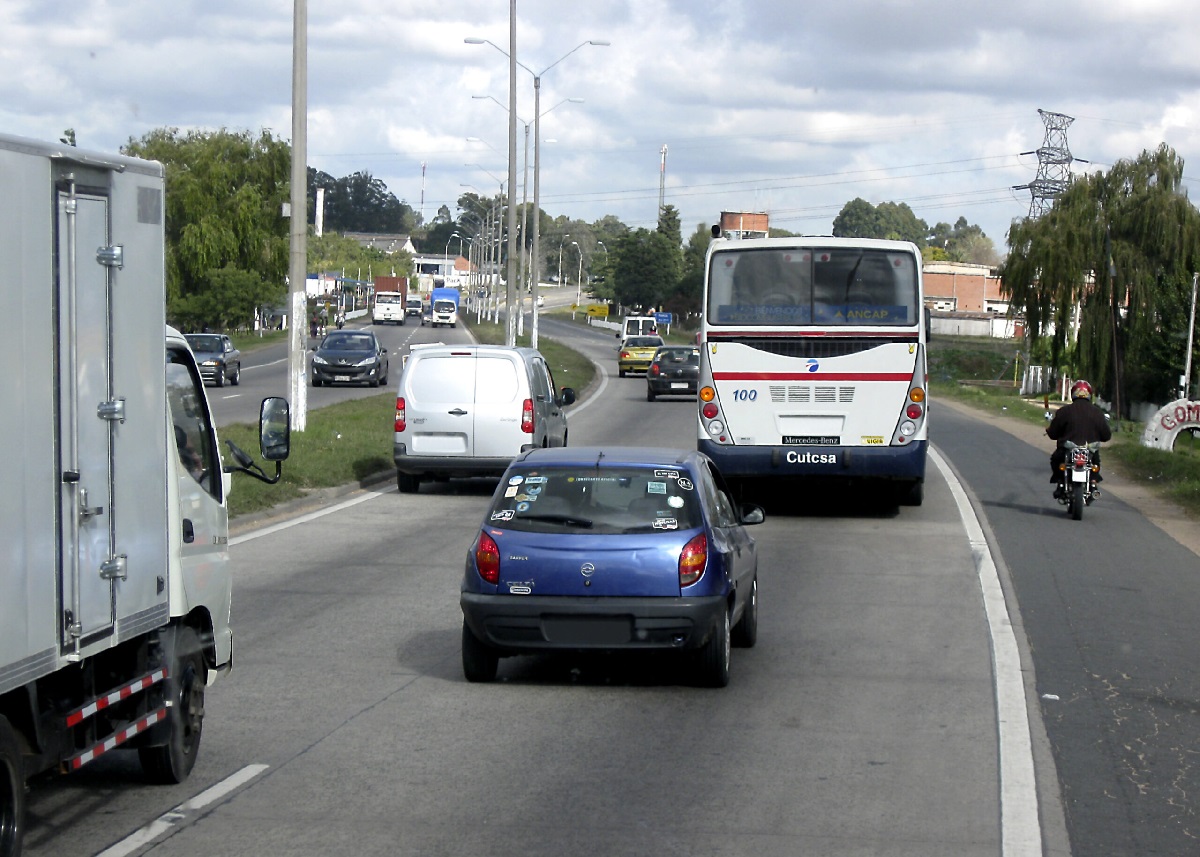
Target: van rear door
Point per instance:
(499, 397)
(440, 393)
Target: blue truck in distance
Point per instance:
(444, 303)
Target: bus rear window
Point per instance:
(812, 286)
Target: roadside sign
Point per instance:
(662, 318)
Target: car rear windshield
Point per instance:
(617, 499)
(678, 355)
(643, 342)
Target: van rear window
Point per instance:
(458, 380)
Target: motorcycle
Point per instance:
(1081, 471)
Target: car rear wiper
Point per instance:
(584, 523)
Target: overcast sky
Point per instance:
(782, 106)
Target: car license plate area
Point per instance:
(587, 630)
(679, 385)
(341, 377)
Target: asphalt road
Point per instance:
(864, 722)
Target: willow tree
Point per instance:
(1115, 253)
(224, 200)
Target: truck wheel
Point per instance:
(407, 483)
(12, 792)
(173, 761)
(479, 660)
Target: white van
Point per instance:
(389, 308)
(637, 325)
(469, 410)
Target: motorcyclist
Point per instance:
(1081, 423)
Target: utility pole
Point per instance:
(662, 180)
(298, 258)
(1054, 164)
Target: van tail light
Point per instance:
(400, 413)
(692, 560)
(527, 416)
(487, 558)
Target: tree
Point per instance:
(1120, 248)
(645, 268)
(962, 242)
(359, 203)
(224, 198)
(857, 219)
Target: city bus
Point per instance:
(813, 362)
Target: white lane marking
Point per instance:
(182, 813)
(1020, 828)
(311, 516)
(599, 390)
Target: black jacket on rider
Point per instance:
(1080, 422)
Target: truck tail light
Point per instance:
(487, 558)
(400, 424)
(692, 560)
(527, 416)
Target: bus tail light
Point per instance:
(487, 558)
(707, 394)
(709, 410)
(400, 423)
(692, 560)
(527, 416)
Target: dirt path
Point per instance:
(1164, 514)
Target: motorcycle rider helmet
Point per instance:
(1081, 390)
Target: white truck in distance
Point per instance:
(114, 536)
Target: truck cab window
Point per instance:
(194, 438)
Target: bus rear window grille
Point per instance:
(818, 348)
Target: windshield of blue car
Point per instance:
(616, 499)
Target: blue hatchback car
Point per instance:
(611, 549)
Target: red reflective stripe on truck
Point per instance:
(117, 739)
(138, 684)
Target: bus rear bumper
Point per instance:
(906, 463)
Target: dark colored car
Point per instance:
(350, 357)
(219, 361)
(636, 353)
(608, 550)
(674, 371)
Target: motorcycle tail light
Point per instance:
(487, 558)
(1079, 458)
(692, 560)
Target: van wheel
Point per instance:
(407, 483)
(172, 762)
(12, 792)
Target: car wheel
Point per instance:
(408, 483)
(479, 660)
(745, 632)
(219, 378)
(316, 382)
(621, 372)
(649, 394)
(713, 659)
(173, 761)
(12, 791)
(236, 378)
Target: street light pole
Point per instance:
(579, 278)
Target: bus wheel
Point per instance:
(911, 494)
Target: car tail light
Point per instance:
(624, 355)
(654, 369)
(692, 560)
(400, 413)
(487, 558)
(527, 416)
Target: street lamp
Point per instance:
(579, 278)
(561, 241)
(537, 145)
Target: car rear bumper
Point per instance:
(668, 386)
(519, 624)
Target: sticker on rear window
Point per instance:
(666, 524)
(522, 507)
(666, 474)
(684, 483)
(503, 515)
(510, 491)
(515, 480)
(536, 480)
(656, 487)
(675, 502)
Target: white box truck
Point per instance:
(114, 538)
